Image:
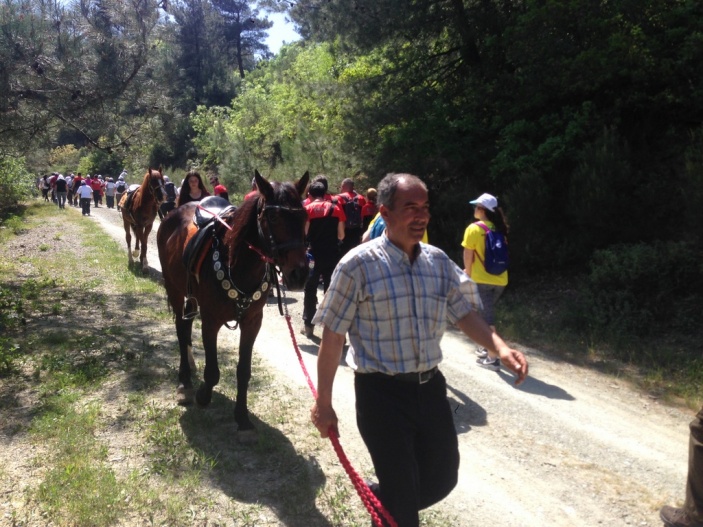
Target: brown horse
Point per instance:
(139, 210)
(231, 278)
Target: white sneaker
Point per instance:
(489, 363)
(482, 352)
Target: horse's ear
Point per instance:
(265, 188)
(302, 184)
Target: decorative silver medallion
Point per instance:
(264, 286)
(232, 293)
(220, 274)
(218, 266)
(216, 255)
(256, 295)
(226, 284)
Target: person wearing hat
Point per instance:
(85, 193)
(110, 191)
(490, 286)
(120, 189)
(218, 188)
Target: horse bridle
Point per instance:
(275, 249)
(222, 269)
(160, 186)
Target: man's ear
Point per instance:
(384, 211)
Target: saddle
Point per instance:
(199, 244)
(128, 202)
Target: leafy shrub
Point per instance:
(643, 289)
(16, 182)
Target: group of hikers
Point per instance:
(79, 191)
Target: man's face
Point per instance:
(407, 220)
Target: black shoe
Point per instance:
(675, 517)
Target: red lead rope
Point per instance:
(375, 507)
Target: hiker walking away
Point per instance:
(85, 193)
(691, 513)
(394, 296)
(322, 179)
(218, 189)
(490, 286)
(120, 189)
(61, 191)
(110, 190)
(97, 188)
(352, 203)
(45, 187)
(76, 184)
(171, 195)
(324, 230)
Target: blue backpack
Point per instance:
(496, 254)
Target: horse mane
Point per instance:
(143, 190)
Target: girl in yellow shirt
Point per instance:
(490, 286)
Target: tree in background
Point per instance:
(77, 66)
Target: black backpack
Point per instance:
(352, 210)
(170, 191)
(121, 186)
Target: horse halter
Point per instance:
(273, 247)
(160, 186)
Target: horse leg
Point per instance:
(184, 331)
(136, 242)
(211, 375)
(246, 431)
(145, 239)
(128, 237)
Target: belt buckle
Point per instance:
(424, 376)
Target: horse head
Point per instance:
(281, 221)
(155, 181)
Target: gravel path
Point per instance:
(570, 447)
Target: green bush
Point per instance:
(643, 289)
(16, 182)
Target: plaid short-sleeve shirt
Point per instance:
(395, 311)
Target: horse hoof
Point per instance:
(135, 253)
(203, 397)
(186, 396)
(247, 437)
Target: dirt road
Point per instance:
(570, 447)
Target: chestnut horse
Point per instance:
(231, 278)
(139, 210)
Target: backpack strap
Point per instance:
(487, 230)
(485, 227)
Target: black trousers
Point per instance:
(324, 269)
(85, 206)
(409, 431)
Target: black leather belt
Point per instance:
(417, 377)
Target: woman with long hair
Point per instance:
(192, 189)
(490, 286)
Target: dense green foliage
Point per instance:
(583, 118)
